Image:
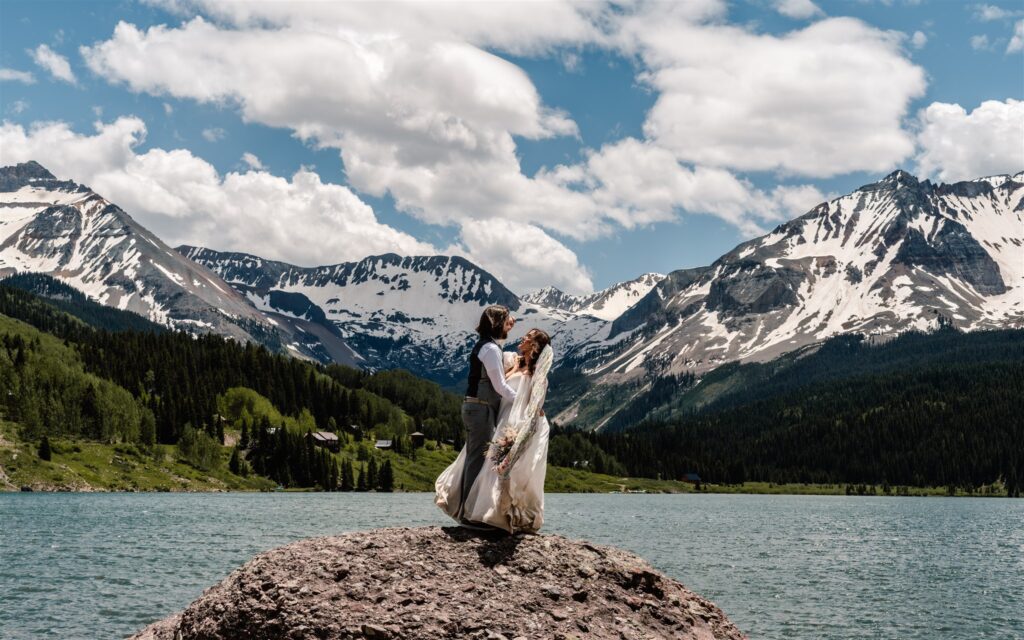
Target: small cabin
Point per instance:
(418, 439)
(692, 478)
(383, 444)
(327, 440)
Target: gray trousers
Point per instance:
(479, 420)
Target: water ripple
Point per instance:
(803, 567)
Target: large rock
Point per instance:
(445, 583)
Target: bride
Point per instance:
(509, 491)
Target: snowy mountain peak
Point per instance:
(900, 254)
(66, 230)
(607, 304)
(416, 312)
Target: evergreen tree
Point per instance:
(361, 480)
(347, 484)
(234, 464)
(371, 473)
(44, 449)
(387, 477)
(243, 439)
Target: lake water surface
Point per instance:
(803, 567)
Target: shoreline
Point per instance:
(776, 490)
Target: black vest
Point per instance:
(479, 385)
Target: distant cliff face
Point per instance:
(446, 583)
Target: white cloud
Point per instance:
(989, 13)
(18, 106)
(493, 25)
(214, 134)
(56, 64)
(980, 43)
(17, 76)
(798, 9)
(183, 199)
(820, 101)
(956, 145)
(420, 108)
(252, 161)
(523, 255)
(1017, 41)
(918, 40)
(168, 109)
(637, 182)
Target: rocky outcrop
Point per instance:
(445, 583)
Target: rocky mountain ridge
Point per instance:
(66, 230)
(607, 304)
(892, 256)
(896, 255)
(416, 312)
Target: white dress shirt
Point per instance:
(490, 355)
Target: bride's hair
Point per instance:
(533, 344)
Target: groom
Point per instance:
(484, 391)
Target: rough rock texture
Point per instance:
(445, 583)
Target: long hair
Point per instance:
(533, 344)
(492, 322)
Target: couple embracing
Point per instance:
(497, 481)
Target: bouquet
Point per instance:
(500, 448)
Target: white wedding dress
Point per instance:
(514, 500)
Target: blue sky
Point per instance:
(553, 143)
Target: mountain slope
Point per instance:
(608, 304)
(416, 313)
(939, 409)
(66, 230)
(896, 255)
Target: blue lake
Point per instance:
(804, 567)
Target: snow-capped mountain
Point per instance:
(416, 313)
(66, 230)
(608, 304)
(896, 255)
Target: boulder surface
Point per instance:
(449, 582)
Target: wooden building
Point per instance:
(326, 439)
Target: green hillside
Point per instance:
(939, 410)
(121, 408)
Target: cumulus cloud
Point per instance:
(637, 182)
(252, 161)
(820, 101)
(989, 13)
(798, 9)
(918, 40)
(183, 199)
(980, 43)
(1017, 41)
(13, 75)
(420, 107)
(56, 64)
(214, 134)
(957, 145)
(494, 25)
(523, 255)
